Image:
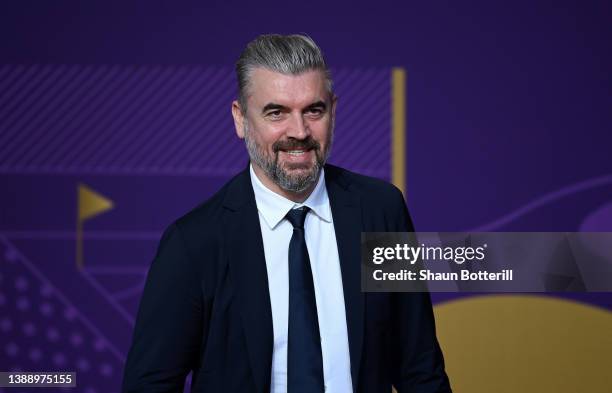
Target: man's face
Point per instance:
(288, 126)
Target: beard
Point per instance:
(289, 176)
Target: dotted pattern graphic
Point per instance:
(41, 328)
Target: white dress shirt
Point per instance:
(325, 264)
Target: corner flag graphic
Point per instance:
(90, 204)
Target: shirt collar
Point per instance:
(274, 207)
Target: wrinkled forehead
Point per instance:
(298, 91)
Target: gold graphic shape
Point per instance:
(90, 204)
(525, 343)
(398, 128)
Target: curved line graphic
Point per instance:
(568, 190)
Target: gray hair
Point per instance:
(287, 54)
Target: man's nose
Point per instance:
(298, 128)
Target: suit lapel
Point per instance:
(244, 245)
(346, 213)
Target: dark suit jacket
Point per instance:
(206, 305)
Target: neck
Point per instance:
(297, 197)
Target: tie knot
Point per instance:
(297, 216)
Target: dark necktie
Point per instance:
(304, 359)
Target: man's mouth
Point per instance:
(297, 157)
(296, 148)
(295, 152)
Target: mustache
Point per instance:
(296, 144)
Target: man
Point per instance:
(258, 289)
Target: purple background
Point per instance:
(508, 129)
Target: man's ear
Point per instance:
(238, 119)
(334, 101)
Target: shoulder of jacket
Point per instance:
(362, 184)
(207, 214)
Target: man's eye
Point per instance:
(314, 112)
(274, 114)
